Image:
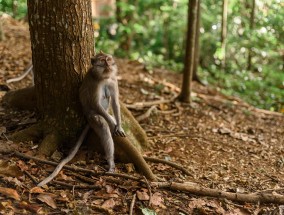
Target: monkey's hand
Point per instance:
(118, 131)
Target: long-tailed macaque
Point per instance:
(98, 90)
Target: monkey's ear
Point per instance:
(93, 60)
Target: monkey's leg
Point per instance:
(101, 127)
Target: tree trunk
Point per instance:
(185, 95)
(252, 15)
(196, 53)
(224, 33)
(61, 50)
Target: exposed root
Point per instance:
(135, 157)
(50, 143)
(23, 99)
(33, 133)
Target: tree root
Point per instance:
(135, 157)
(50, 143)
(33, 133)
(195, 189)
(23, 99)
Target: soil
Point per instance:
(224, 143)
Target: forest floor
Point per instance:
(222, 141)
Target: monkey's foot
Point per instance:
(111, 166)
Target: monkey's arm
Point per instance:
(116, 109)
(99, 109)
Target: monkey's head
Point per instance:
(103, 66)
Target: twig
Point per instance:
(150, 191)
(75, 169)
(170, 135)
(140, 105)
(146, 114)
(132, 204)
(195, 189)
(55, 182)
(82, 178)
(170, 163)
(34, 180)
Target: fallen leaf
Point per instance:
(147, 211)
(129, 167)
(47, 199)
(36, 190)
(8, 169)
(225, 131)
(11, 193)
(30, 207)
(110, 203)
(158, 200)
(142, 195)
(109, 189)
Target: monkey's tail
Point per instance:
(67, 159)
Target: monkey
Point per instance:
(27, 71)
(99, 88)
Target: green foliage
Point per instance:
(153, 32)
(157, 31)
(15, 8)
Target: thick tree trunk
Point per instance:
(62, 47)
(252, 15)
(185, 95)
(224, 33)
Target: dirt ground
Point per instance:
(223, 142)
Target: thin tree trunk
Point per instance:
(185, 95)
(252, 15)
(62, 45)
(196, 54)
(224, 33)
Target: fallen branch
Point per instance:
(150, 191)
(140, 105)
(146, 114)
(132, 204)
(196, 189)
(170, 163)
(55, 182)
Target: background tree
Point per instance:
(224, 33)
(195, 76)
(185, 94)
(252, 15)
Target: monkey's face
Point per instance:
(103, 65)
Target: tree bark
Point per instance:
(224, 33)
(185, 95)
(252, 23)
(196, 53)
(62, 45)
